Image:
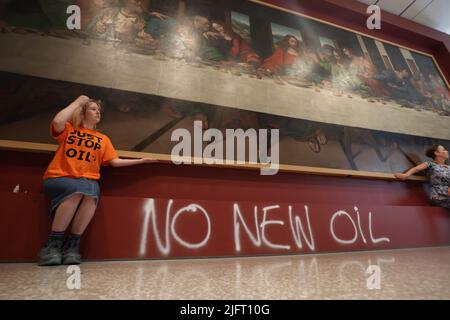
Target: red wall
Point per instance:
(208, 183)
(140, 228)
(400, 211)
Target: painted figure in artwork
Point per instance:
(284, 56)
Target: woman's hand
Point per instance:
(148, 160)
(82, 100)
(407, 174)
(401, 176)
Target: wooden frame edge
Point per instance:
(166, 158)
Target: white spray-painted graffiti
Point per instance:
(355, 238)
(256, 231)
(150, 213)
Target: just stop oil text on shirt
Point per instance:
(80, 153)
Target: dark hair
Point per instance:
(430, 152)
(284, 43)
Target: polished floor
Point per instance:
(395, 274)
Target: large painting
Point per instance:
(340, 99)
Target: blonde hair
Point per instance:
(78, 114)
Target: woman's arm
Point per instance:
(407, 174)
(130, 162)
(59, 121)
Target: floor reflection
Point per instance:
(396, 274)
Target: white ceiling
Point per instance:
(432, 13)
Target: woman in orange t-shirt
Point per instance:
(71, 178)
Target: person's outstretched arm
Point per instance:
(59, 121)
(407, 174)
(130, 162)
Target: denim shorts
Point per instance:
(59, 189)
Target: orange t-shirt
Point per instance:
(80, 153)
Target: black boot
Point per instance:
(50, 254)
(70, 251)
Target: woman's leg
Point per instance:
(65, 212)
(83, 215)
(82, 219)
(50, 254)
